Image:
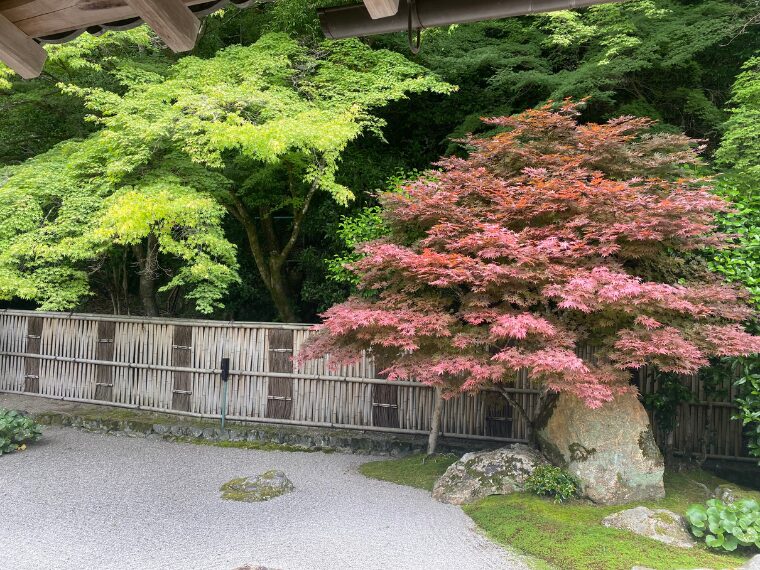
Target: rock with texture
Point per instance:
(610, 450)
(261, 488)
(485, 473)
(725, 493)
(659, 524)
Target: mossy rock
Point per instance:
(658, 524)
(478, 475)
(257, 489)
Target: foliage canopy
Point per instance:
(550, 235)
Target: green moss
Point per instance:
(578, 452)
(253, 445)
(570, 535)
(252, 491)
(418, 471)
(649, 448)
(666, 518)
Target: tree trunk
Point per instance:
(270, 257)
(147, 261)
(529, 423)
(281, 296)
(435, 422)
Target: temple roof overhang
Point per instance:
(26, 25)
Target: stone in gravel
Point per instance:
(485, 473)
(659, 524)
(261, 488)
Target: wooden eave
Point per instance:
(26, 25)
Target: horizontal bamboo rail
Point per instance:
(174, 366)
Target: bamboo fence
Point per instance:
(174, 366)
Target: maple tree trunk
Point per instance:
(147, 261)
(268, 254)
(435, 423)
(281, 296)
(270, 268)
(529, 423)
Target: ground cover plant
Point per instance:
(550, 481)
(570, 534)
(16, 431)
(726, 526)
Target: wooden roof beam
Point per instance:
(381, 8)
(172, 20)
(20, 52)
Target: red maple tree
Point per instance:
(548, 236)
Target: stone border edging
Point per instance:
(282, 438)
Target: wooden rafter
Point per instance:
(42, 18)
(381, 8)
(172, 20)
(20, 52)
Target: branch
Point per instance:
(298, 222)
(515, 404)
(240, 213)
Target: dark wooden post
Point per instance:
(31, 364)
(499, 416)
(384, 400)
(280, 396)
(104, 352)
(182, 356)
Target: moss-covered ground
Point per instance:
(570, 536)
(415, 471)
(253, 445)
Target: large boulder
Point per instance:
(611, 450)
(485, 473)
(659, 524)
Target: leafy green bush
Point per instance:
(16, 431)
(726, 526)
(550, 481)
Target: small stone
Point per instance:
(659, 524)
(256, 489)
(725, 494)
(753, 563)
(160, 429)
(196, 432)
(478, 475)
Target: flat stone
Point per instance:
(610, 450)
(659, 524)
(257, 489)
(753, 564)
(478, 475)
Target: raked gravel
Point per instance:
(83, 501)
